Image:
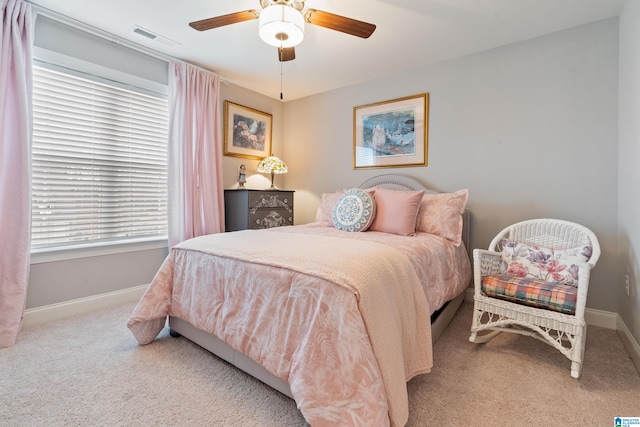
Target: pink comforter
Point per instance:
(346, 346)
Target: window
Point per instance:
(99, 165)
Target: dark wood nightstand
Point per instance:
(255, 209)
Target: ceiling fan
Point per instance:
(281, 24)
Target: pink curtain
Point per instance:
(16, 36)
(196, 202)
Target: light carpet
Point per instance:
(89, 371)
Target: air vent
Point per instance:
(144, 33)
(155, 37)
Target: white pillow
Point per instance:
(354, 210)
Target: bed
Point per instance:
(338, 321)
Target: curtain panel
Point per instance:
(196, 195)
(16, 38)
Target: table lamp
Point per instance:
(272, 165)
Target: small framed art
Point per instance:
(391, 133)
(247, 132)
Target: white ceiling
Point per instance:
(409, 34)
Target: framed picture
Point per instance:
(391, 133)
(247, 132)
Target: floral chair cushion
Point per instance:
(550, 265)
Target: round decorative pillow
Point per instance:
(354, 210)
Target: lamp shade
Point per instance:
(281, 25)
(272, 165)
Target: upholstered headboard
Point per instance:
(407, 183)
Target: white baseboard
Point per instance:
(48, 313)
(603, 319)
(629, 342)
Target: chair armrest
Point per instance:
(584, 273)
(490, 262)
(485, 262)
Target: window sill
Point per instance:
(40, 256)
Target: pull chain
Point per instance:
(281, 58)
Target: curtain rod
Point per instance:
(112, 37)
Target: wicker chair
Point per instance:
(492, 315)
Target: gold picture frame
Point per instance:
(247, 132)
(391, 133)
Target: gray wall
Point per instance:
(529, 128)
(628, 170)
(65, 280)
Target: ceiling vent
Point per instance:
(155, 37)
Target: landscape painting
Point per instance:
(391, 133)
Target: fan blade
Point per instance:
(339, 23)
(286, 54)
(221, 21)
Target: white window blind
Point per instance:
(99, 168)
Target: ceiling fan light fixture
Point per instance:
(281, 26)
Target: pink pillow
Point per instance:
(396, 211)
(441, 214)
(327, 203)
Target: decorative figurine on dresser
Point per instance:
(242, 176)
(255, 209)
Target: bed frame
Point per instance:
(439, 320)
